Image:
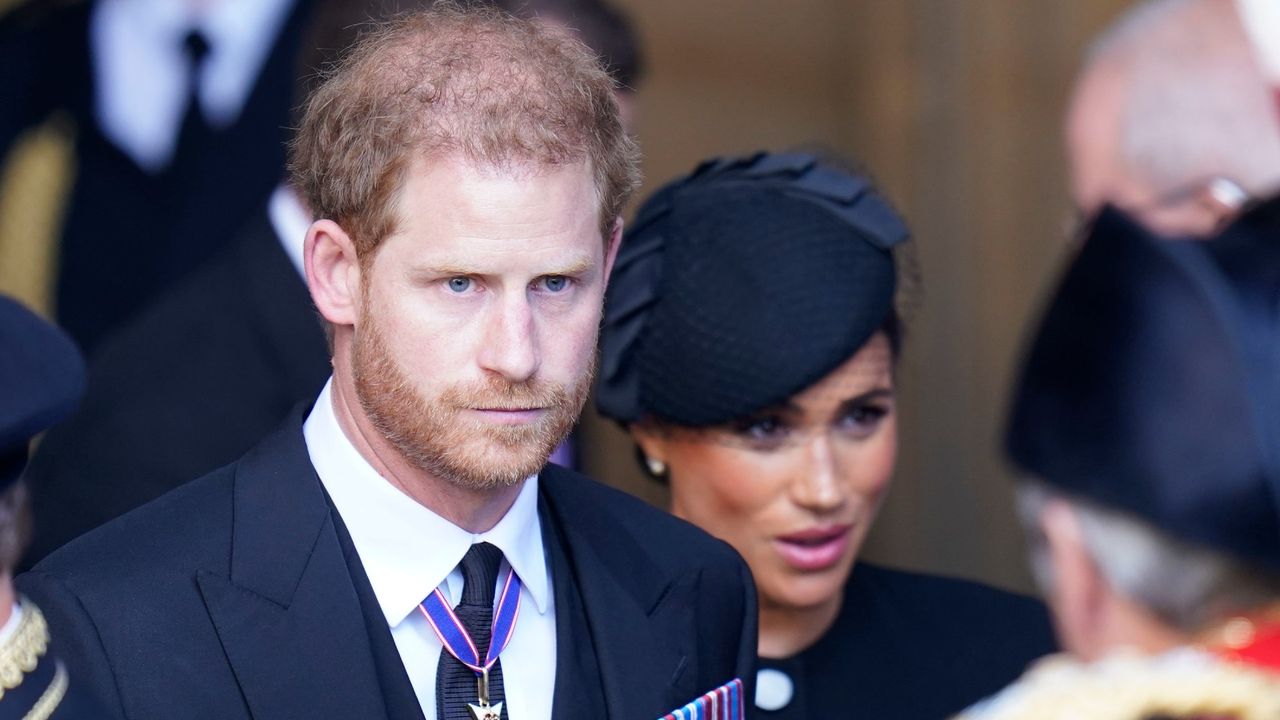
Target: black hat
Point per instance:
(1153, 384)
(741, 285)
(41, 380)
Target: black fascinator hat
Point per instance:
(742, 284)
(1153, 384)
(42, 377)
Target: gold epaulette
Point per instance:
(22, 652)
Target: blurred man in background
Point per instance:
(1173, 118)
(178, 111)
(1146, 424)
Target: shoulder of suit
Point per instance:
(185, 526)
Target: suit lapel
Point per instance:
(642, 639)
(288, 616)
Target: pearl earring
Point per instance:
(657, 468)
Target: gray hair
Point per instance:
(1186, 586)
(1197, 105)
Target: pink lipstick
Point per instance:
(814, 549)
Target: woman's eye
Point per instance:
(555, 283)
(459, 284)
(864, 418)
(763, 428)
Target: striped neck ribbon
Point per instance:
(454, 636)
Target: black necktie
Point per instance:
(194, 133)
(456, 683)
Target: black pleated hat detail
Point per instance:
(741, 285)
(1153, 383)
(42, 378)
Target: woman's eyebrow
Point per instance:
(873, 394)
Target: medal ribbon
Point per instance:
(454, 636)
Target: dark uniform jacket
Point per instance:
(239, 596)
(34, 683)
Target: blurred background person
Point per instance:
(1174, 118)
(179, 111)
(749, 344)
(220, 360)
(1146, 424)
(41, 380)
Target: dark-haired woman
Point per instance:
(749, 345)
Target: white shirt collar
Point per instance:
(291, 222)
(406, 549)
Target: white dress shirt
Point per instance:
(141, 67)
(408, 551)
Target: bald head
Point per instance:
(1171, 113)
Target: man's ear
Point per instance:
(611, 250)
(1080, 592)
(333, 272)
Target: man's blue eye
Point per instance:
(460, 284)
(556, 283)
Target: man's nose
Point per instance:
(510, 346)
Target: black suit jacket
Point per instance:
(128, 233)
(230, 598)
(189, 386)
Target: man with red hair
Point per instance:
(406, 551)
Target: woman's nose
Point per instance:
(817, 486)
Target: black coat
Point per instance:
(231, 598)
(909, 646)
(128, 233)
(187, 387)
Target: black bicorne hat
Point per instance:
(742, 284)
(42, 377)
(1153, 384)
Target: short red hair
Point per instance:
(478, 83)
